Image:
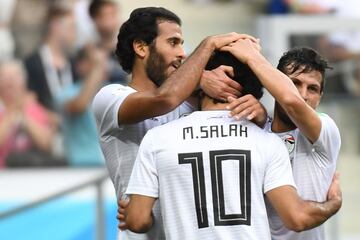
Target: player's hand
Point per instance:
(219, 41)
(122, 204)
(249, 107)
(218, 84)
(244, 49)
(334, 192)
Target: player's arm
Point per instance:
(179, 85)
(138, 214)
(280, 86)
(299, 215)
(92, 82)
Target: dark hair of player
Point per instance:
(303, 60)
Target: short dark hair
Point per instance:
(304, 59)
(242, 73)
(141, 26)
(96, 5)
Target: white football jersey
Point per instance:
(313, 168)
(210, 173)
(120, 142)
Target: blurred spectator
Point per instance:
(277, 7)
(26, 130)
(337, 47)
(84, 24)
(28, 25)
(301, 6)
(345, 45)
(6, 39)
(49, 68)
(80, 134)
(107, 19)
(311, 6)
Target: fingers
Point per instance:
(123, 203)
(225, 91)
(246, 36)
(225, 39)
(122, 226)
(240, 107)
(217, 83)
(233, 87)
(226, 48)
(233, 84)
(226, 69)
(235, 102)
(247, 106)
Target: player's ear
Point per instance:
(141, 48)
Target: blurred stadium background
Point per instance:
(79, 203)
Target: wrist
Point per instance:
(255, 60)
(209, 44)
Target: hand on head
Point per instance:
(243, 49)
(222, 40)
(249, 107)
(218, 84)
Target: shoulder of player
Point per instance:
(111, 90)
(108, 96)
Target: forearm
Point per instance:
(138, 214)
(181, 84)
(286, 94)
(91, 86)
(277, 83)
(299, 215)
(137, 225)
(176, 89)
(314, 214)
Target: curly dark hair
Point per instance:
(304, 59)
(141, 26)
(242, 73)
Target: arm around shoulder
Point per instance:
(299, 215)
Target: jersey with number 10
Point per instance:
(210, 174)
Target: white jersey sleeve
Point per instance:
(106, 106)
(144, 177)
(329, 141)
(278, 171)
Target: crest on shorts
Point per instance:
(289, 141)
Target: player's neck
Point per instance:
(278, 126)
(208, 104)
(140, 81)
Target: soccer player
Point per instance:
(312, 138)
(210, 173)
(150, 47)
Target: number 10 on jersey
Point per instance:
(221, 218)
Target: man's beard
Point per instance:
(284, 117)
(156, 66)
